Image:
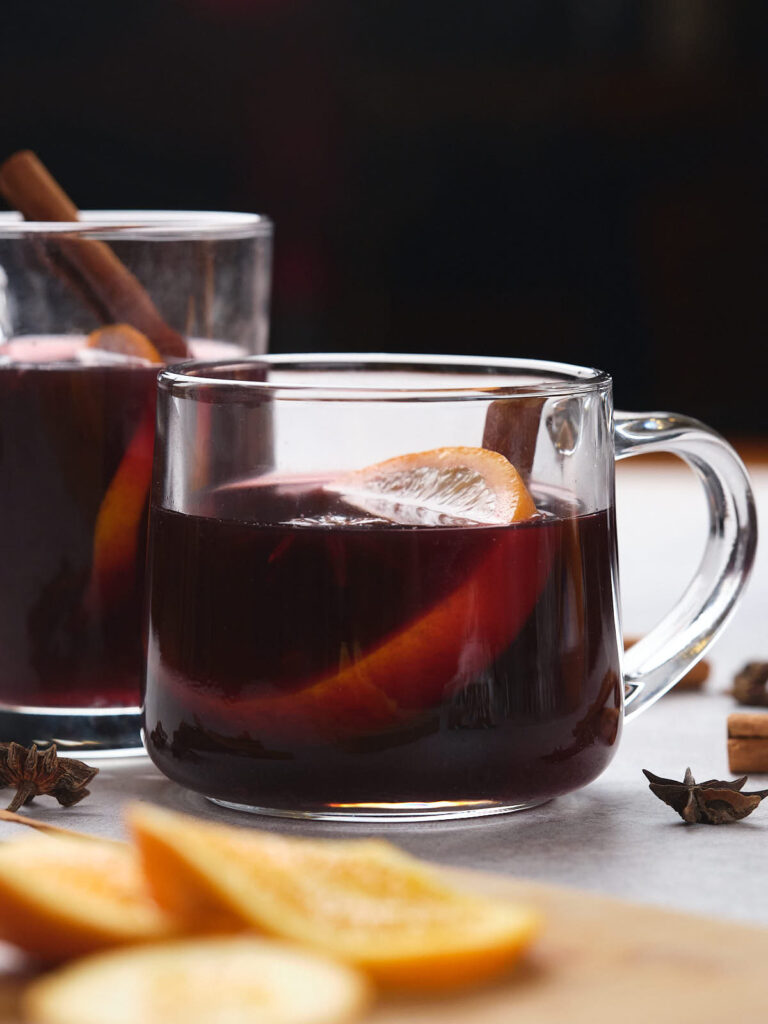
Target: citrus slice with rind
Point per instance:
(240, 980)
(118, 522)
(361, 901)
(458, 636)
(62, 897)
(124, 340)
(441, 487)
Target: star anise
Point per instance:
(42, 773)
(713, 802)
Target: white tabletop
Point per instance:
(614, 836)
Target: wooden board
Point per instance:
(598, 961)
(603, 961)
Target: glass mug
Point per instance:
(77, 412)
(332, 634)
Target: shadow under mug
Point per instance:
(310, 655)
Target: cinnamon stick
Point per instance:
(748, 741)
(511, 428)
(111, 288)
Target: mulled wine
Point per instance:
(306, 654)
(76, 440)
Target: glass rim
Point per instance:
(168, 225)
(567, 378)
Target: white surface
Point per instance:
(614, 836)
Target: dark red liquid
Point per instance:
(333, 662)
(64, 429)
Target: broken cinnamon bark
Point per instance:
(748, 741)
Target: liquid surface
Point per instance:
(324, 658)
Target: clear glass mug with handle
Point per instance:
(406, 606)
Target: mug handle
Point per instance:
(655, 663)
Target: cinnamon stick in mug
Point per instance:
(91, 266)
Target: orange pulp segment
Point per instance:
(240, 980)
(457, 637)
(62, 897)
(361, 901)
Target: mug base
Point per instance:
(91, 733)
(362, 814)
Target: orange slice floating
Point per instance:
(456, 638)
(444, 486)
(239, 980)
(62, 897)
(360, 901)
(116, 533)
(124, 340)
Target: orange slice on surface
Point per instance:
(239, 980)
(457, 637)
(62, 897)
(361, 901)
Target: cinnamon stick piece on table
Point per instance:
(748, 741)
(115, 292)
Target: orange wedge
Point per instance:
(226, 980)
(62, 897)
(116, 533)
(360, 901)
(456, 638)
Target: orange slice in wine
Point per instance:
(413, 667)
(441, 487)
(124, 340)
(116, 533)
(364, 902)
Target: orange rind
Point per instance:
(441, 487)
(118, 522)
(62, 897)
(124, 340)
(361, 901)
(117, 528)
(240, 980)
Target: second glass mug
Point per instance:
(77, 411)
(329, 643)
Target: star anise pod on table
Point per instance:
(42, 773)
(713, 802)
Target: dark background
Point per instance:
(581, 180)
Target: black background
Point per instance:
(580, 180)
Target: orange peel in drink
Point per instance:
(116, 532)
(124, 340)
(410, 669)
(62, 897)
(361, 901)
